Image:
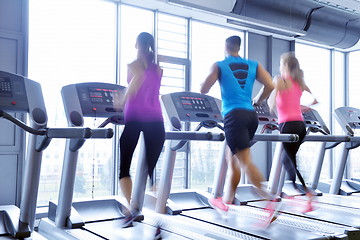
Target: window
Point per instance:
(172, 36)
(353, 167)
(72, 41)
(207, 48)
(133, 21)
(315, 62)
(172, 45)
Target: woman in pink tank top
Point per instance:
(286, 97)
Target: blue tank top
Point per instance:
(236, 77)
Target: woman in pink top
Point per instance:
(286, 97)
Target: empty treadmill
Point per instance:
(19, 94)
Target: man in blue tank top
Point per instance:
(236, 77)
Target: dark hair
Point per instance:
(145, 44)
(233, 43)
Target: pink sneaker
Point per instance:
(308, 208)
(218, 204)
(309, 205)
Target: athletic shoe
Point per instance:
(309, 205)
(127, 221)
(129, 218)
(218, 204)
(157, 233)
(272, 208)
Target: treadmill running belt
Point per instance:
(247, 220)
(112, 230)
(323, 212)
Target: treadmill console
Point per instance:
(264, 114)
(348, 118)
(13, 93)
(313, 120)
(196, 107)
(191, 107)
(94, 99)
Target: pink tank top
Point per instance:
(145, 105)
(288, 104)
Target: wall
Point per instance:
(13, 34)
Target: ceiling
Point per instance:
(346, 5)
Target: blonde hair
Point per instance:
(292, 63)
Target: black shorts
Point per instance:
(240, 126)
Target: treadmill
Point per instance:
(340, 213)
(315, 124)
(102, 218)
(246, 192)
(349, 120)
(22, 95)
(95, 218)
(193, 107)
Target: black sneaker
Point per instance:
(127, 221)
(157, 233)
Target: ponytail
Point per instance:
(296, 72)
(146, 45)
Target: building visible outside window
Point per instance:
(353, 168)
(315, 62)
(172, 46)
(72, 41)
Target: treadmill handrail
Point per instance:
(327, 138)
(49, 132)
(21, 124)
(276, 137)
(354, 139)
(72, 132)
(205, 136)
(102, 133)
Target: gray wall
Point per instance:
(266, 50)
(13, 36)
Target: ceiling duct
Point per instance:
(334, 28)
(307, 19)
(323, 24)
(287, 13)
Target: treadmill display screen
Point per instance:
(5, 87)
(196, 104)
(308, 115)
(102, 96)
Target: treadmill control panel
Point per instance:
(195, 104)
(313, 119)
(348, 118)
(196, 107)
(101, 100)
(13, 93)
(264, 114)
(191, 107)
(95, 99)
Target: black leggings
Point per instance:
(154, 136)
(289, 157)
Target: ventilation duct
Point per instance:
(334, 27)
(323, 24)
(307, 19)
